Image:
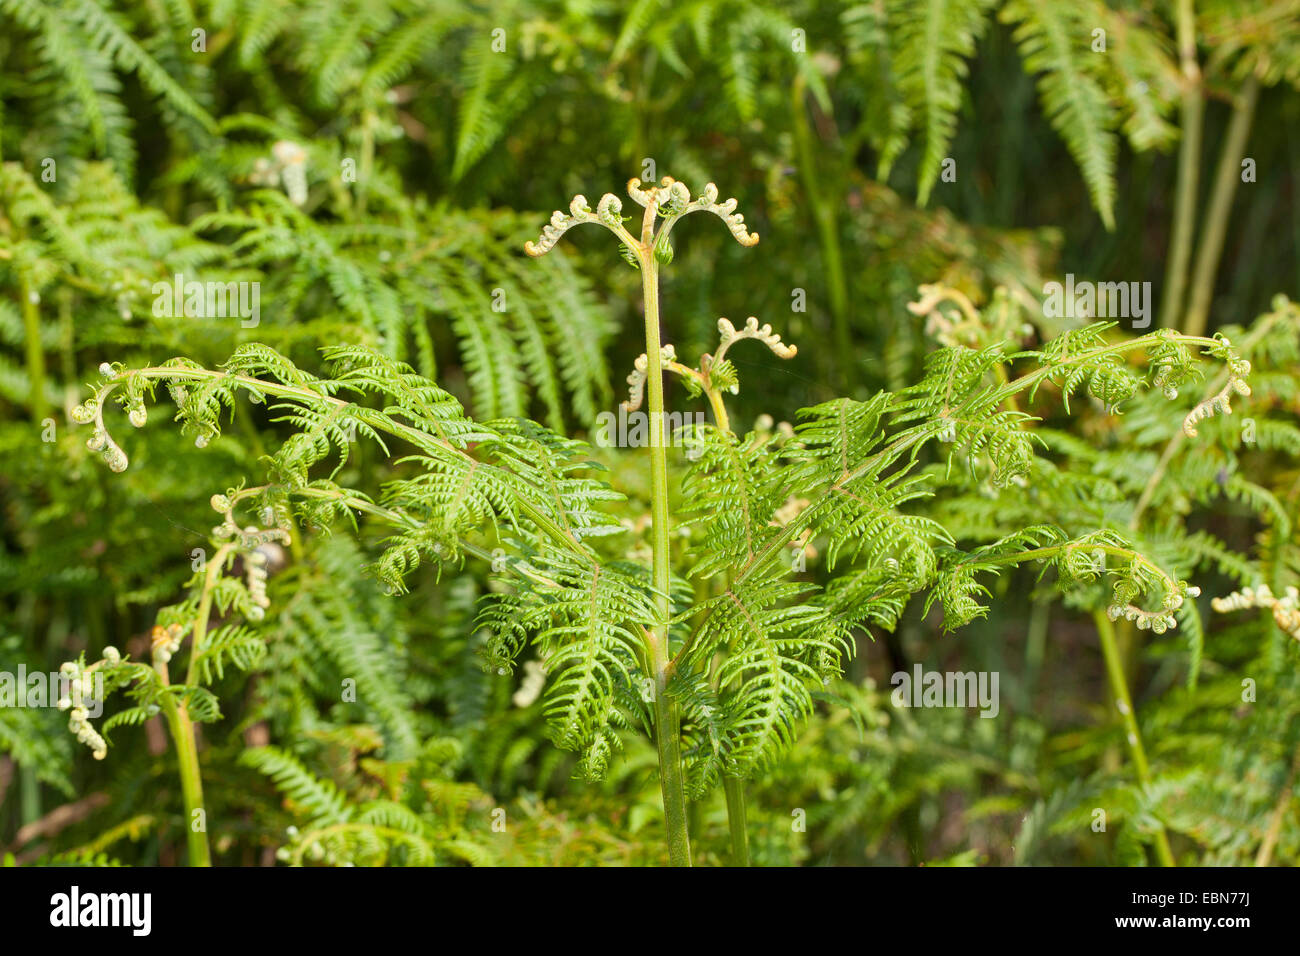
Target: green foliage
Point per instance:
(759, 647)
(433, 592)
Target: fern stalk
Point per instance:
(1265, 855)
(211, 572)
(735, 790)
(187, 756)
(828, 233)
(1124, 702)
(667, 719)
(1189, 157)
(670, 200)
(1216, 218)
(182, 727)
(35, 354)
(368, 124)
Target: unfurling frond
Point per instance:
(1285, 609)
(751, 330)
(606, 214)
(726, 211)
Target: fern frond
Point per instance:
(1053, 41)
(932, 42)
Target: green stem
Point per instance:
(68, 344)
(187, 756)
(205, 610)
(35, 353)
(733, 786)
(1040, 615)
(182, 728)
(1265, 855)
(1189, 155)
(735, 790)
(29, 795)
(1216, 219)
(720, 417)
(828, 233)
(369, 121)
(667, 718)
(1124, 703)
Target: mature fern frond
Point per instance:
(1053, 40)
(319, 799)
(548, 330)
(589, 632)
(498, 92)
(107, 35)
(932, 42)
(733, 490)
(774, 650)
(232, 644)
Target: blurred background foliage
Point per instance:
(376, 165)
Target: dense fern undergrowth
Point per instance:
(357, 509)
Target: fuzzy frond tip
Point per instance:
(726, 211)
(606, 214)
(752, 330)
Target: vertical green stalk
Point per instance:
(35, 354)
(187, 756)
(647, 252)
(735, 790)
(1216, 218)
(182, 727)
(368, 122)
(1265, 855)
(667, 718)
(1119, 688)
(29, 795)
(734, 787)
(1189, 157)
(828, 232)
(68, 343)
(1040, 615)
